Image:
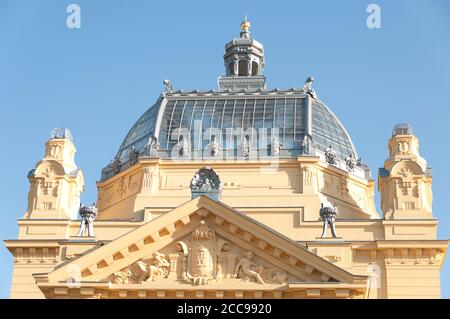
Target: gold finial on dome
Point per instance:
(245, 25)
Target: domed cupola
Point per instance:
(244, 63)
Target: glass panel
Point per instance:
(268, 114)
(259, 112)
(237, 114)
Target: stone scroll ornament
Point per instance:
(88, 215)
(328, 215)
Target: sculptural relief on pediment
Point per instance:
(201, 258)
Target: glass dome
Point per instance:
(200, 118)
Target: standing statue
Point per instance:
(152, 147)
(307, 87)
(245, 147)
(213, 147)
(116, 165)
(133, 155)
(350, 163)
(330, 155)
(88, 215)
(184, 148)
(275, 147)
(306, 144)
(168, 87)
(247, 268)
(328, 215)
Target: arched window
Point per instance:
(254, 68)
(242, 68)
(231, 68)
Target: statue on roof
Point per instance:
(88, 215)
(152, 147)
(168, 87)
(307, 87)
(275, 147)
(306, 144)
(328, 215)
(330, 155)
(350, 163)
(245, 147)
(184, 148)
(213, 147)
(133, 155)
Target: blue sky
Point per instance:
(99, 79)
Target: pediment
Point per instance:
(208, 255)
(202, 243)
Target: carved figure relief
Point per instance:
(159, 267)
(248, 270)
(200, 260)
(277, 277)
(141, 271)
(123, 276)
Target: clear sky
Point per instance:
(97, 80)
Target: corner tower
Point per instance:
(56, 183)
(405, 180)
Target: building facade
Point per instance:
(240, 192)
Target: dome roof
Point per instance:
(243, 119)
(200, 118)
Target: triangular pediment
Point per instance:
(202, 243)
